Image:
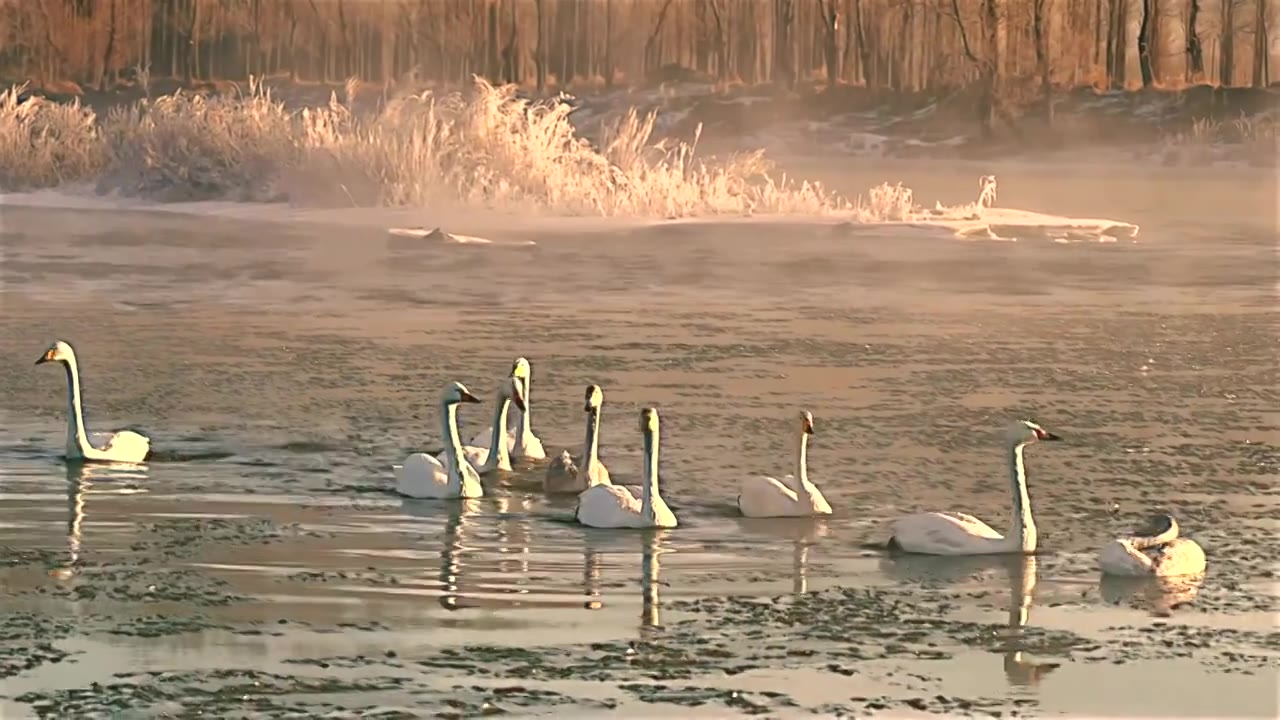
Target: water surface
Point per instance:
(259, 567)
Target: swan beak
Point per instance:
(469, 398)
(808, 426)
(1049, 436)
(46, 357)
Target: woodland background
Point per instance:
(903, 46)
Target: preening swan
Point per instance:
(480, 456)
(791, 496)
(948, 533)
(615, 506)
(523, 444)
(563, 474)
(422, 476)
(82, 446)
(1155, 550)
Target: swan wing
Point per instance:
(764, 496)
(476, 456)
(1119, 557)
(481, 439)
(1183, 556)
(815, 501)
(528, 447)
(945, 533)
(598, 474)
(608, 506)
(422, 476)
(125, 445)
(662, 515)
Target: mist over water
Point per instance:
(281, 368)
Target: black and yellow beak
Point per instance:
(808, 426)
(467, 397)
(46, 357)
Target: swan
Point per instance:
(563, 474)
(1153, 551)
(479, 456)
(949, 533)
(422, 476)
(122, 446)
(792, 496)
(522, 443)
(616, 506)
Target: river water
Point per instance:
(259, 566)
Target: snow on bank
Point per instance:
(1010, 224)
(975, 221)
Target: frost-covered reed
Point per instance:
(486, 147)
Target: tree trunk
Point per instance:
(540, 50)
(110, 48)
(193, 43)
(831, 40)
(1041, 17)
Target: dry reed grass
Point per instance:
(486, 147)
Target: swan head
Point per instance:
(649, 421)
(806, 422)
(1162, 526)
(594, 398)
(57, 352)
(456, 392)
(1024, 432)
(520, 369)
(513, 389)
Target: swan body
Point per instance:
(483, 457)
(953, 533)
(563, 473)
(617, 506)
(792, 496)
(522, 443)
(422, 476)
(124, 446)
(1156, 551)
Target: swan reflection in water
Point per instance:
(1160, 595)
(803, 532)
(650, 565)
(1023, 574)
(80, 481)
(451, 550)
(513, 558)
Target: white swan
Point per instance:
(1153, 551)
(948, 533)
(422, 476)
(563, 474)
(522, 443)
(792, 496)
(616, 506)
(122, 446)
(479, 456)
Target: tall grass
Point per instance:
(484, 147)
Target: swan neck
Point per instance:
(76, 436)
(499, 455)
(1024, 527)
(650, 488)
(524, 416)
(591, 446)
(1146, 542)
(452, 444)
(802, 461)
